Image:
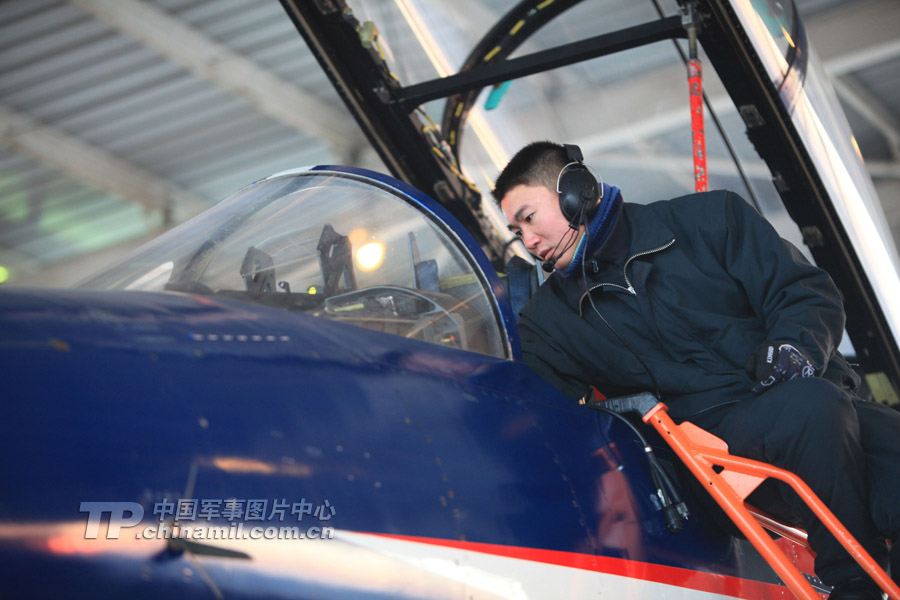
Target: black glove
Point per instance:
(773, 362)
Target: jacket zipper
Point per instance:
(630, 288)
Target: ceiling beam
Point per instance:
(68, 272)
(881, 170)
(92, 165)
(676, 164)
(871, 109)
(862, 58)
(206, 58)
(856, 35)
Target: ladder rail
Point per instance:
(700, 451)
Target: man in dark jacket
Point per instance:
(699, 300)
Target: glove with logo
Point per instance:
(773, 363)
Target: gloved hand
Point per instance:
(773, 362)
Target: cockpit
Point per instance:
(337, 244)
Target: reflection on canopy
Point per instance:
(331, 245)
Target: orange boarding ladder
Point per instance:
(700, 451)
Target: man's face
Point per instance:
(534, 215)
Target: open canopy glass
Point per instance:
(329, 244)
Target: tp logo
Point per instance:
(117, 518)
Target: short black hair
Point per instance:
(538, 163)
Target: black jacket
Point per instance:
(706, 280)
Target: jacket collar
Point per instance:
(647, 233)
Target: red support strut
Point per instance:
(695, 82)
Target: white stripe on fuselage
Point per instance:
(492, 576)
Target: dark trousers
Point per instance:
(847, 450)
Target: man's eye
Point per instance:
(518, 233)
(529, 218)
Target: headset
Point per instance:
(578, 190)
(579, 198)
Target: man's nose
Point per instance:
(531, 240)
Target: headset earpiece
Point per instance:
(577, 188)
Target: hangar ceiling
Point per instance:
(121, 118)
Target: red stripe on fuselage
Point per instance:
(686, 578)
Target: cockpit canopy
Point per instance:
(331, 244)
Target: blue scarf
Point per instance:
(598, 230)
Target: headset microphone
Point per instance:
(549, 265)
(579, 194)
